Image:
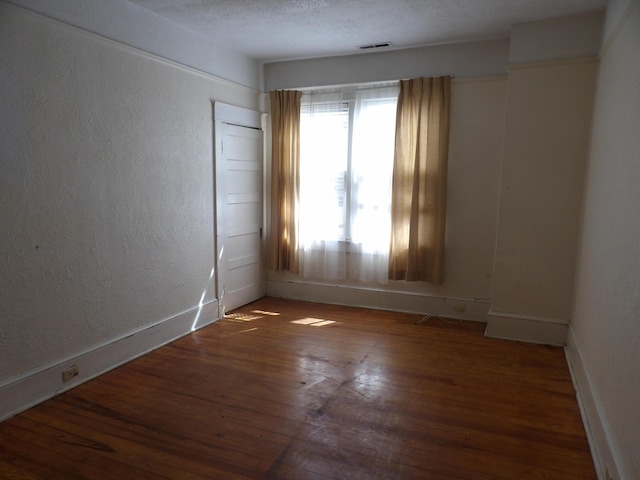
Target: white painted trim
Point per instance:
(128, 48)
(378, 298)
(487, 78)
(391, 83)
(593, 418)
(551, 63)
(525, 328)
(19, 394)
(244, 117)
(226, 117)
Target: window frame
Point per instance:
(346, 244)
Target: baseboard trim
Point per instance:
(527, 329)
(595, 424)
(366, 297)
(32, 388)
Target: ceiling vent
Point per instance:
(374, 45)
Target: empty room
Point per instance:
(324, 239)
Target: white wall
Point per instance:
(559, 38)
(137, 27)
(510, 248)
(477, 137)
(106, 192)
(548, 118)
(469, 59)
(604, 335)
(106, 215)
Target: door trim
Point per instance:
(243, 117)
(227, 115)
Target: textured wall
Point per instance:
(606, 318)
(552, 74)
(557, 38)
(132, 25)
(547, 135)
(473, 190)
(469, 59)
(106, 189)
(477, 135)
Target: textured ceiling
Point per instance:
(270, 30)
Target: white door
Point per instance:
(239, 206)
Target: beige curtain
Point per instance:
(419, 180)
(285, 180)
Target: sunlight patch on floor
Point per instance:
(263, 312)
(241, 317)
(313, 322)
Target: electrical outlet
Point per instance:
(69, 373)
(460, 308)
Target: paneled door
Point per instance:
(239, 206)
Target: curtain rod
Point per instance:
(348, 86)
(353, 86)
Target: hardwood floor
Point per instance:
(292, 390)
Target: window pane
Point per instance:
(372, 165)
(345, 178)
(324, 132)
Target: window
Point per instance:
(346, 162)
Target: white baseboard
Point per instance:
(383, 299)
(34, 387)
(526, 329)
(595, 424)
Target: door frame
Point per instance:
(227, 114)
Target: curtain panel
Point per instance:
(285, 180)
(419, 180)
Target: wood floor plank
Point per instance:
(292, 390)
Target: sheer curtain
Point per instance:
(285, 180)
(420, 180)
(324, 138)
(346, 169)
